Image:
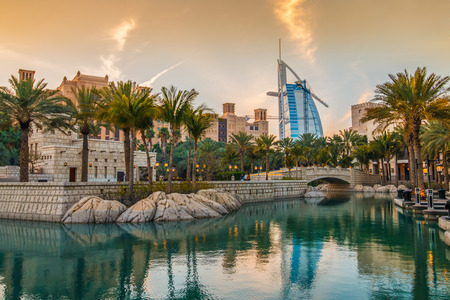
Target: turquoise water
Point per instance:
(346, 247)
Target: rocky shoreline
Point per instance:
(158, 207)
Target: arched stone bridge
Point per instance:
(338, 176)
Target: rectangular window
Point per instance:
(106, 172)
(95, 172)
(107, 131)
(115, 172)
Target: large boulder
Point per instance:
(168, 210)
(381, 189)
(192, 207)
(391, 188)
(94, 210)
(323, 187)
(314, 194)
(231, 202)
(402, 187)
(142, 212)
(211, 204)
(358, 188)
(368, 189)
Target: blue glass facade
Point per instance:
(299, 112)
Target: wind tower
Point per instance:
(296, 109)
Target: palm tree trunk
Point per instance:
(24, 152)
(194, 161)
(149, 165)
(251, 167)
(169, 180)
(445, 166)
(126, 150)
(242, 161)
(418, 154)
(188, 168)
(84, 158)
(383, 176)
(397, 173)
(412, 165)
(267, 165)
(133, 146)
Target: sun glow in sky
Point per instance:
(228, 50)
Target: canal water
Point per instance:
(348, 246)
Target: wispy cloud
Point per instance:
(110, 60)
(120, 33)
(294, 15)
(154, 78)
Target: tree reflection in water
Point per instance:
(269, 249)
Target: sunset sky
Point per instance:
(227, 50)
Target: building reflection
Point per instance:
(44, 260)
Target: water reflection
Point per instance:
(357, 247)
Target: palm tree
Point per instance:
(363, 155)
(164, 136)
(335, 148)
(436, 139)
(197, 123)
(29, 104)
(286, 145)
(175, 105)
(265, 143)
(385, 146)
(350, 139)
(85, 116)
(242, 143)
(125, 105)
(409, 99)
(144, 119)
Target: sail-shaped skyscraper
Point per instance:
(297, 111)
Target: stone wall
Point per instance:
(261, 191)
(49, 201)
(46, 201)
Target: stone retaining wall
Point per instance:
(262, 191)
(49, 201)
(46, 201)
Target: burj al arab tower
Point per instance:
(297, 111)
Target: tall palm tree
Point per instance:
(85, 119)
(409, 99)
(197, 123)
(28, 104)
(242, 143)
(125, 105)
(436, 139)
(164, 136)
(174, 106)
(144, 119)
(286, 145)
(266, 143)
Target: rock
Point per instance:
(368, 189)
(381, 189)
(323, 187)
(402, 187)
(211, 204)
(358, 188)
(168, 210)
(392, 188)
(310, 188)
(314, 194)
(94, 210)
(142, 212)
(230, 202)
(192, 207)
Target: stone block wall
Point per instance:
(46, 201)
(262, 191)
(49, 201)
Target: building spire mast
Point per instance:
(279, 49)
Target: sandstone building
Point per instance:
(56, 156)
